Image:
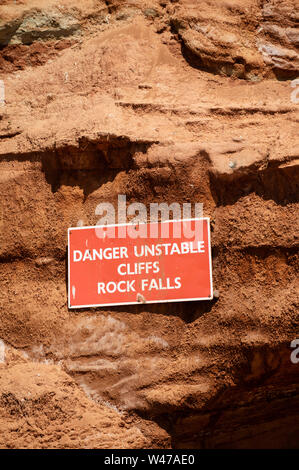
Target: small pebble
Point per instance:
(216, 294)
(141, 299)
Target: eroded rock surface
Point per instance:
(162, 102)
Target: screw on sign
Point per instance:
(162, 262)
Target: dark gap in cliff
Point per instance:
(193, 60)
(264, 425)
(230, 68)
(216, 68)
(261, 252)
(187, 311)
(90, 164)
(285, 75)
(280, 184)
(252, 413)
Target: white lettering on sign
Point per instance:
(138, 268)
(111, 287)
(160, 249)
(160, 284)
(107, 253)
(122, 270)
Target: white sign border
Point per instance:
(139, 303)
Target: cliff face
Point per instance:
(163, 102)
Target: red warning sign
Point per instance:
(144, 263)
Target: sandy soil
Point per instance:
(163, 102)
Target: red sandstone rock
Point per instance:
(164, 103)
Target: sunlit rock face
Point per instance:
(163, 102)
